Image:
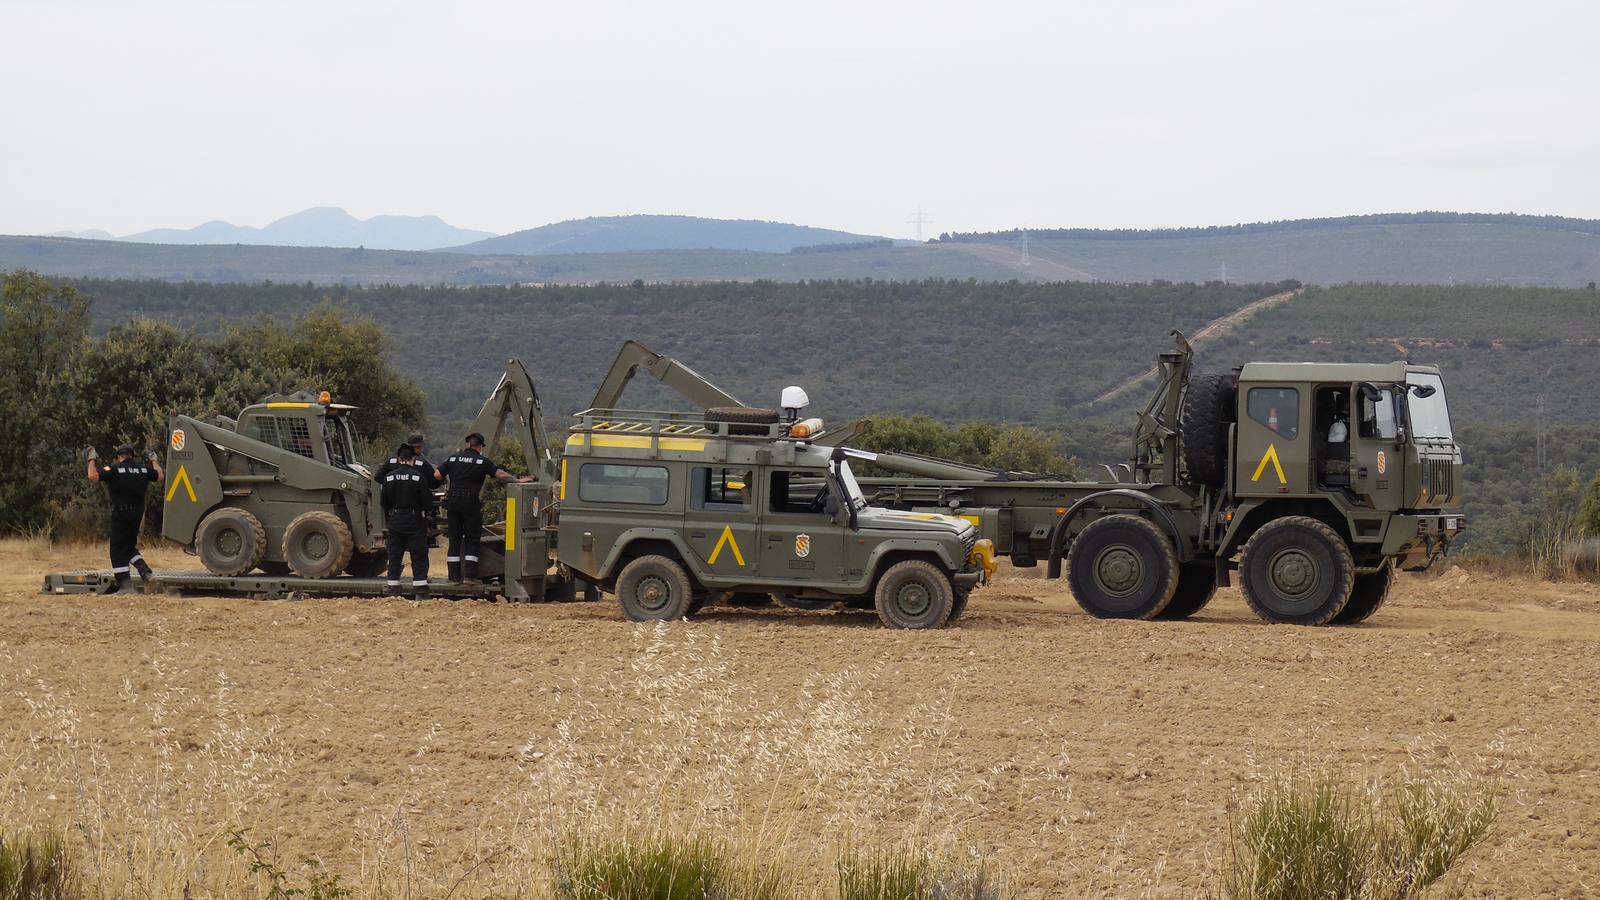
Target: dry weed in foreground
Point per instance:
(36, 867)
(1318, 836)
(663, 866)
(914, 873)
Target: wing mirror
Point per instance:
(1423, 390)
(830, 505)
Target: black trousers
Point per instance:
(408, 532)
(125, 540)
(464, 527)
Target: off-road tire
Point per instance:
(654, 589)
(317, 544)
(1296, 571)
(1367, 594)
(230, 541)
(699, 602)
(1122, 567)
(743, 419)
(367, 565)
(1208, 410)
(959, 605)
(914, 594)
(1197, 584)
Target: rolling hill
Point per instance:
(321, 226)
(1403, 249)
(621, 234)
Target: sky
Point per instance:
(508, 114)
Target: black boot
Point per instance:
(123, 583)
(145, 574)
(455, 571)
(470, 570)
(421, 592)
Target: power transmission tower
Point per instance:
(919, 219)
(1541, 446)
(1025, 259)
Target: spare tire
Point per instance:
(743, 419)
(1208, 410)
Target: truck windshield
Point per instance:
(340, 440)
(1430, 417)
(852, 489)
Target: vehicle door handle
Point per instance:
(775, 538)
(697, 534)
(1362, 471)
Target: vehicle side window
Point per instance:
(719, 488)
(284, 432)
(797, 492)
(1377, 418)
(608, 483)
(1276, 408)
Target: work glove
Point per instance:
(153, 456)
(92, 453)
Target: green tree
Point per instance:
(1023, 448)
(1589, 509)
(43, 329)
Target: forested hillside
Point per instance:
(960, 351)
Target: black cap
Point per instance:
(415, 439)
(475, 438)
(124, 448)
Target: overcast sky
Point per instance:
(509, 114)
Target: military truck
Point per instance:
(1313, 481)
(670, 510)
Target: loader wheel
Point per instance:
(1296, 571)
(1366, 594)
(914, 594)
(367, 565)
(1208, 408)
(317, 544)
(654, 589)
(1197, 584)
(1122, 567)
(230, 541)
(743, 419)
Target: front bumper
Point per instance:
(1416, 541)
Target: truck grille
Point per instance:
(967, 544)
(1438, 480)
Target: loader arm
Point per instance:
(516, 397)
(635, 356)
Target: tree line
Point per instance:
(1430, 217)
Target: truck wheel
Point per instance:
(1197, 584)
(1296, 571)
(367, 565)
(1367, 593)
(743, 419)
(230, 541)
(914, 594)
(1208, 408)
(959, 604)
(653, 589)
(1122, 567)
(317, 544)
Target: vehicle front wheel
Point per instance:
(1366, 595)
(230, 541)
(317, 544)
(654, 589)
(914, 594)
(1296, 571)
(1122, 567)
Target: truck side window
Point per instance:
(606, 483)
(1276, 408)
(797, 492)
(719, 488)
(1377, 418)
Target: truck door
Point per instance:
(1274, 441)
(720, 524)
(1377, 466)
(799, 540)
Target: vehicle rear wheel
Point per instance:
(654, 589)
(1122, 567)
(959, 604)
(317, 544)
(1296, 571)
(367, 565)
(230, 541)
(914, 594)
(1367, 594)
(1197, 584)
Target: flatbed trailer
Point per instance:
(265, 587)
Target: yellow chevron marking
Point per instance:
(726, 539)
(188, 486)
(1270, 456)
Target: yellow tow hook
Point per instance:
(983, 557)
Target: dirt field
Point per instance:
(426, 744)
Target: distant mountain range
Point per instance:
(620, 234)
(320, 226)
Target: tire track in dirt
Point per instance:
(1214, 328)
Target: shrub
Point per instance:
(911, 874)
(660, 866)
(36, 867)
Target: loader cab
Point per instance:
(310, 426)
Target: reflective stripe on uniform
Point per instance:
(452, 559)
(136, 559)
(470, 558)
(121, 570)
(419, 584)
(391, 584)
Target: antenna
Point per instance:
(919, 219)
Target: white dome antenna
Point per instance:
(794, 399)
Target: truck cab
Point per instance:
(671, 510)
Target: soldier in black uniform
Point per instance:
(466, 471)
(126, 481)
(415, 443)
(407, 492)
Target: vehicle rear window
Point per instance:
(720, 488)
(1276, 408)
(610, 483)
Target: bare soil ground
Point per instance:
(418, 742)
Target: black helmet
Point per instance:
(416, 440)
(474, 438)
(124, 448)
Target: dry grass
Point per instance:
(36, 866)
